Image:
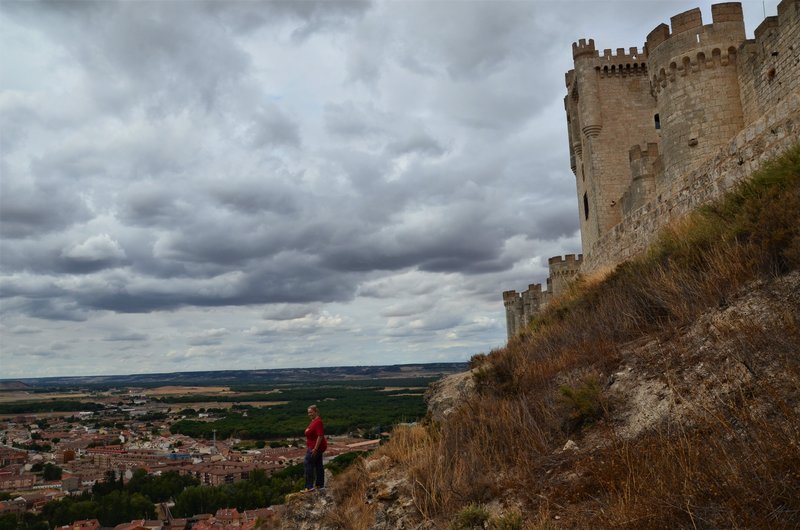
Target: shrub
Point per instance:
(583, 401)
(471, 516)
(508, 521)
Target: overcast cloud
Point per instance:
(193, 185)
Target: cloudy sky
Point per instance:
(194, 185)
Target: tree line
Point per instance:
(343, 410)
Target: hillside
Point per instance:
(662, 394)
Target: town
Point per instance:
(125, 440)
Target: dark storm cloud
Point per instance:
(265, 284)
(54, 309)
(33, 209)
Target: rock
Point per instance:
(377, 465)
(444, 395)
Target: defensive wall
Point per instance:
(521, 307)
(656, 131)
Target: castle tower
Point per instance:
(514, 311)
(533, 301)
(693, 76)
(601, 89)
(562, 271)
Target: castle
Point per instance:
(656, 132)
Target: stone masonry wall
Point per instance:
(694, 78)
(769, 110)
(768, 65)
(769, 136)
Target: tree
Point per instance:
(51, 472)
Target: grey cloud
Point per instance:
(304, 17)
(349, 120)
(255, 196)
(22, 330)
(127, 337)
(53, 309)
(273, 127)
(306, 283)
(407, 309)
(95, 253)
(148, 204)
(45, 354)
(152, 52)
(465, 41)
(210, 337)
(419, 143)
(289, 311)
(31, 210)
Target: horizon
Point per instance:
(423, 364)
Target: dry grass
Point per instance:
(732, 463)
(349, 492)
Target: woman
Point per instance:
(315, 446)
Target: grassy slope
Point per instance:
(728, 460)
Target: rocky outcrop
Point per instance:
(444, 395)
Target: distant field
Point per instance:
(15, 396)
(228, 404)
(185, 390)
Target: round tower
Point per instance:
(693, 76)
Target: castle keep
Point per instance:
(655, 132)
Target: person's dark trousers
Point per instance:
(313, 467)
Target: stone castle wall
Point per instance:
(655, 132)
(768, 64)
(761, 105)
(522, 307)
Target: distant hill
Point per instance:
(13, 385)
(243, 377)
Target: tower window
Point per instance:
(585, 206)
(658, 121)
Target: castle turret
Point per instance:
(693, 76)
(601, 88)
(563, 271)
(645, 164)
(514, 310)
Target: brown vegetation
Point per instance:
(704, 325)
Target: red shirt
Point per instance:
(313, 431)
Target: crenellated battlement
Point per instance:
(694, 80)
(582, 48)
(569, 259)
(510, 296)
(689, 26)
(619, 62)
